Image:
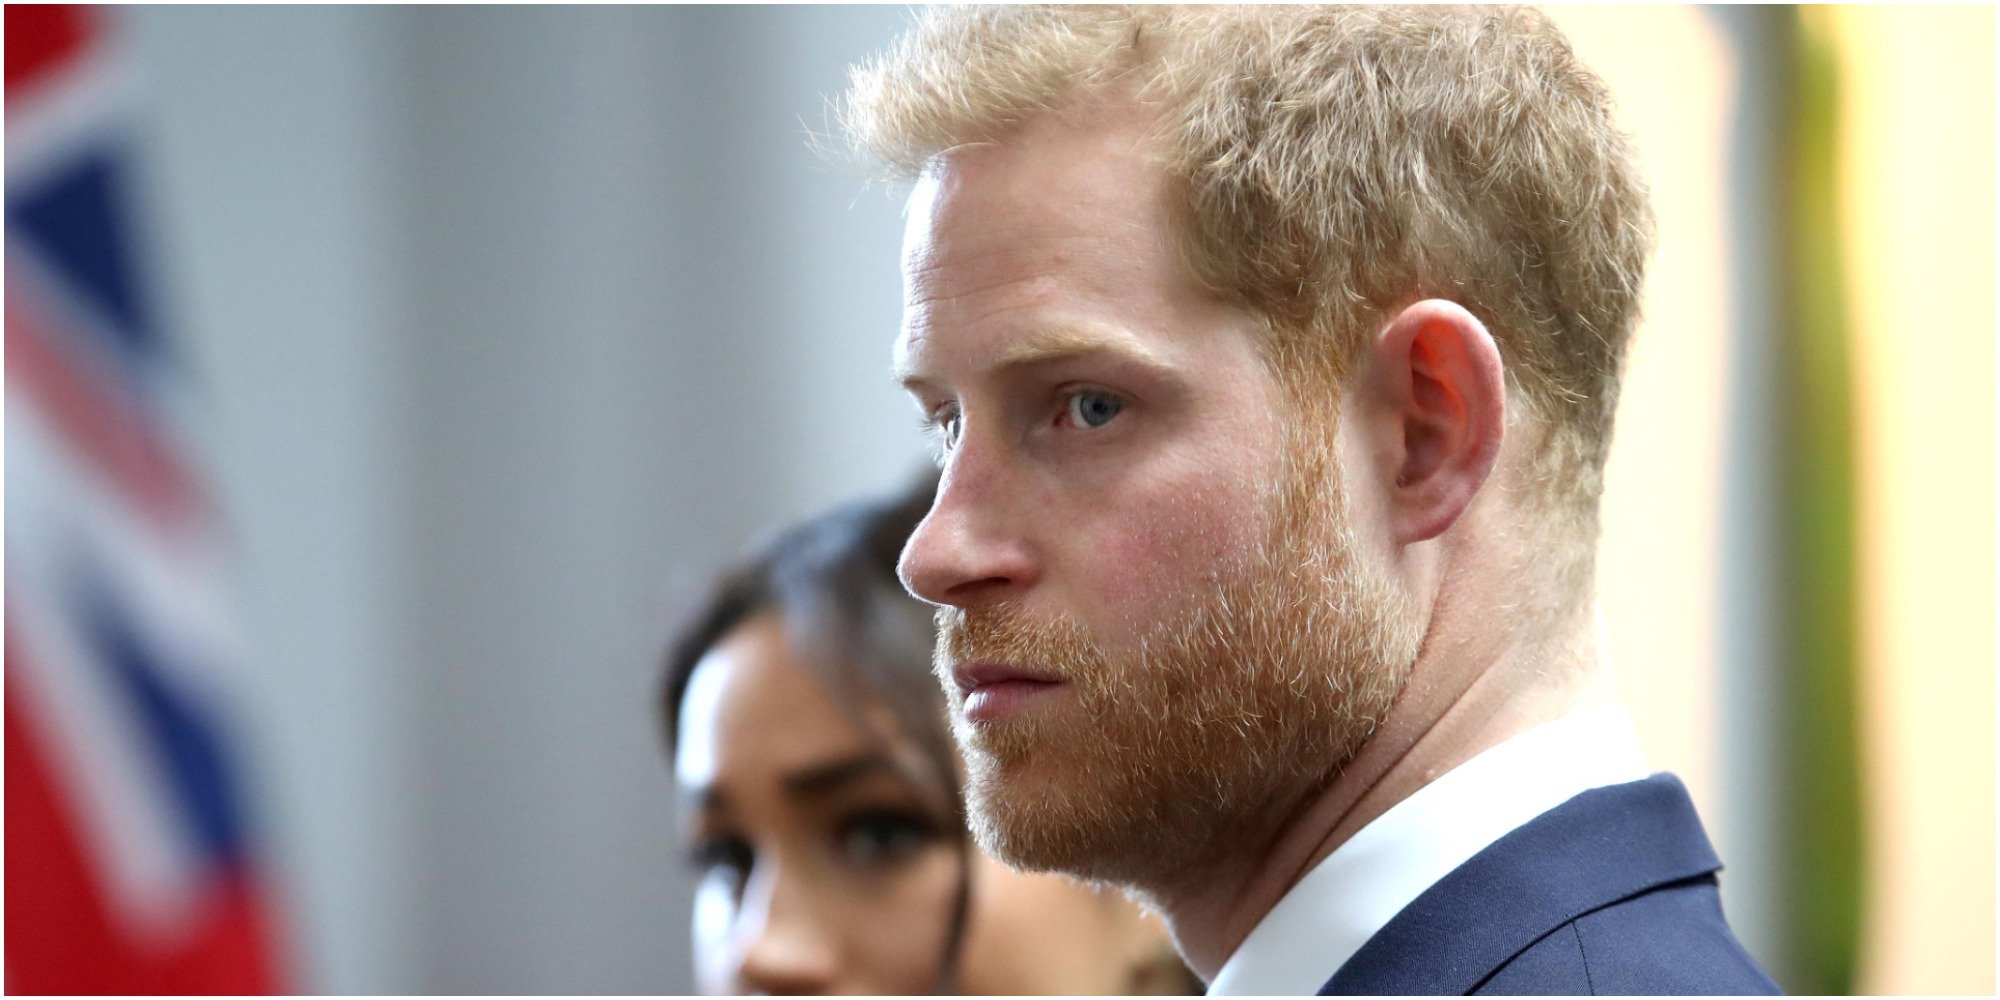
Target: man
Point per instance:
(1272, 355)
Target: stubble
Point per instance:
(1225, 712)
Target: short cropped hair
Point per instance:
(1332, 165)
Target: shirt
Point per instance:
(1354, 891)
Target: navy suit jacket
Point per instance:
(1611, 892)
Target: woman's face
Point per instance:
(825, 868)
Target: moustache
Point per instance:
(1058, 648)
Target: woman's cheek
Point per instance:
(905, 931)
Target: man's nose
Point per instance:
(969, 550)
(793, 951)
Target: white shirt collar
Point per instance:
(1355, 890)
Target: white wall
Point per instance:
(264, 153)
(514, 324)
(1750, 652)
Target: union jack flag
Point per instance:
(130, 865)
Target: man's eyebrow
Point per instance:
(1060, 344)
(824, 778)
(1069, 342)
(908, 376)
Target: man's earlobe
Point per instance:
(1438, 370)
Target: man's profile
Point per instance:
(1272, 355)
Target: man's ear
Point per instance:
(1434, 376)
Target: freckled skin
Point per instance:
(1003, 244)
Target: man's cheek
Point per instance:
(1151, 553)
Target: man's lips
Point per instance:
(996, 690)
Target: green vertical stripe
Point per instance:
(1824, 846)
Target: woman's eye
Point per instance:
(1093, 409)
(881, 838)
(726, 858)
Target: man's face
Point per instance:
(1155, 626)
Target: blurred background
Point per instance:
(380, 380)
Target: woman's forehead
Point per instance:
(754, 710)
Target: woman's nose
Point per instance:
(790, 951)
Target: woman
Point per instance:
(821, 794)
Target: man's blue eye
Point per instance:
(944, 425)
(1094, 409)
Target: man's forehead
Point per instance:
(962, 227)
(919, 212)
(1051, 242)
(1057, 168)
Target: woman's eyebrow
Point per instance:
(823, 778)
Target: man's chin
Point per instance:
(1035, 812)
(1019, 805)
(1029, 838)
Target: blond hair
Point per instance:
(1333, 164)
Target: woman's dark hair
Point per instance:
(833, 579)
(868, 642)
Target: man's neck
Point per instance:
(1459, 703)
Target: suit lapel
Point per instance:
(1602, 846)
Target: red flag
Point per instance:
(130, 862)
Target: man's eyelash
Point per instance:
(934, 422)
(934, 443)
(937, 437)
